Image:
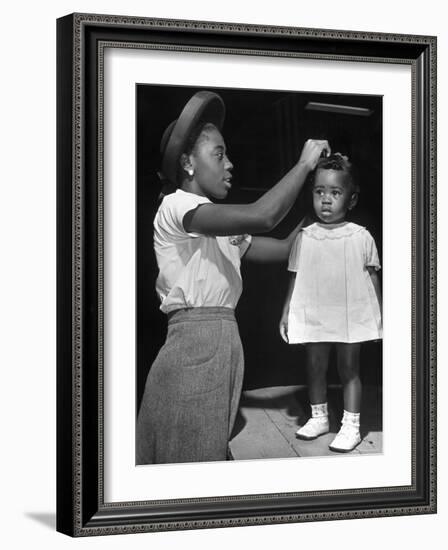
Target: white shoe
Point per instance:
(315, 427)
(346, 440)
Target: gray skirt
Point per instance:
(192, 390)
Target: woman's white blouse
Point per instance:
(195, 270)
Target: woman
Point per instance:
(193, 388)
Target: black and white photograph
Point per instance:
(223, 269)
(259, 231)
(246, 260)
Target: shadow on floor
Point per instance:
(295, 403)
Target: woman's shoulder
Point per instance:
(171, 212)
(181, 197)
(180, 202)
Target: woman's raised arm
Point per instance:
(265, 213)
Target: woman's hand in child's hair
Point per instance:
(283, 326)
(312, 151)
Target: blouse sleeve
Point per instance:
(371, 258)
(293, 263)
(177, 207)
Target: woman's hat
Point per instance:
(201, 108)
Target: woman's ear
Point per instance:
(186, 164)
(185, 161)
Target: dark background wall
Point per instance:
(264, 133)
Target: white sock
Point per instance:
(352, 419)
(319, 411)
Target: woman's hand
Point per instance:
(283, 326)
(311, 152)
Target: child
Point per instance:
(193, 387)
(333, 298)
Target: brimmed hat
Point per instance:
(203, 107)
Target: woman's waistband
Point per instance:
(200, 314)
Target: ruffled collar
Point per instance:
(322, 231)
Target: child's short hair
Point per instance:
(337, 161)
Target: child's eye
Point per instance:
(220, 156)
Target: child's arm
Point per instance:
(283, 326)
(376, 285)
(267, 249)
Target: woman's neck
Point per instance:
(190, 186)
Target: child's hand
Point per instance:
(312, 150)
(283, 326)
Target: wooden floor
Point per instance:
(269, 417)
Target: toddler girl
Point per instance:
(333, 298)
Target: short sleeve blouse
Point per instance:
(195, 270)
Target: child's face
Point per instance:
(211, 165)
(332, 195)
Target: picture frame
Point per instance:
(81, 506)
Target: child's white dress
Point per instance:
(334, 299)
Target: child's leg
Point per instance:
(348, 368)
(317, 365)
